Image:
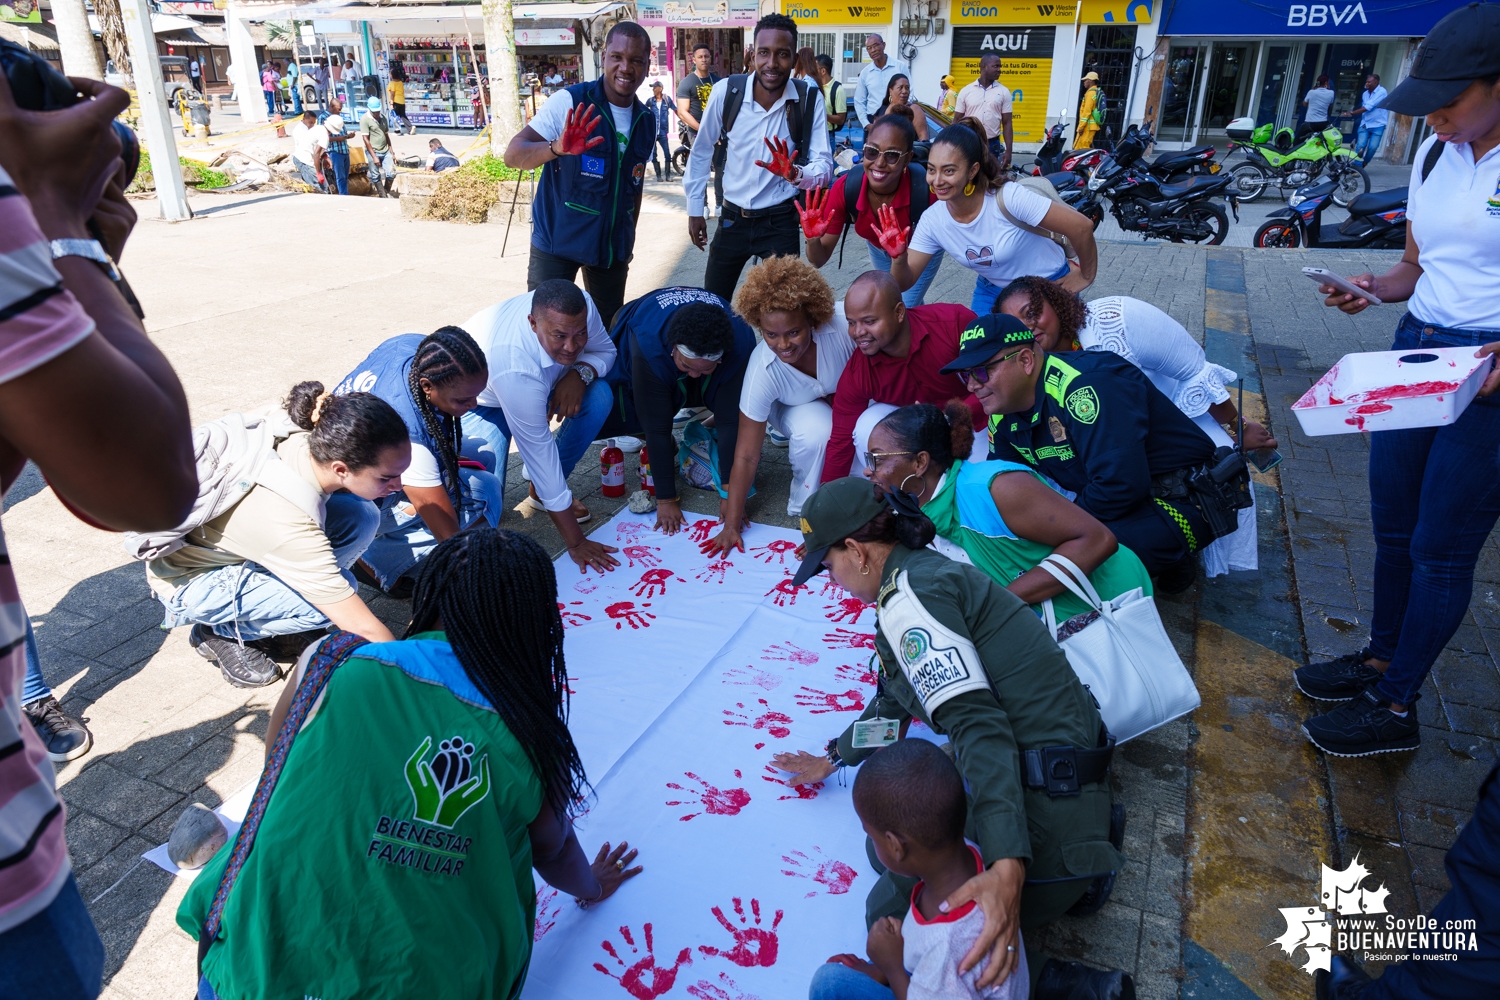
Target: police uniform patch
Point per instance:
(639, 172)
(1083, 405)
(1055, 426)
(938, 662)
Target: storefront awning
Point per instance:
(338, 11)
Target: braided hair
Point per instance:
(444, 355)
(495, 594)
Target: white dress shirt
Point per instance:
(869, 92)
(769, 380)
(522, 375)
(745, 184)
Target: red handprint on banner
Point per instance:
(808, 790)
(773, 550)
(629, 531)
(791, 653)
(848, 610)
(785, 592)
(719, 569)
(649, 555)
(822, 702)
(843, 638)
(725, 989)
(652, 581)
(715, 801)
(548, 908)
(753, 944)
(587, 585)
(626, 612)
(644, 980)
(751, 676)
(825, 871)
(831, 588)
(857, 673)
(700, 530)
(571, 618)
(776, 723)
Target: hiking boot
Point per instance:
(287, 648)
(1076, 981)
(65, 737)
(1364, 726)
(1177, 577)
(242, 666)
(1338, 679)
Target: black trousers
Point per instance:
(1161, 532)
(605, 285)
(738, 239)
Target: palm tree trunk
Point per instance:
(79, 56)
(113, 30)
(505, 80)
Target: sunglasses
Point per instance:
(981, 373)
(872, 458)
(886, 157)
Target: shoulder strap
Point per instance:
(920, 194)
(1434, 153)
(333, 652)
(799, 119)
(734, 96)
(852, 183)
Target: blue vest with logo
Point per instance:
(585, 205)
(385, 373)
(641, 327)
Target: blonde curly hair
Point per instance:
(785, 284)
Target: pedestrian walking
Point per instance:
(1372, 119)
(948, 102)
(380, 163)
(195, 74)
(268, 85)
(761, 114)
(592, 141)
(395, 91)
(988, 101)
(338, 144)
(664, 111)
(1434, 491)
(293, 83)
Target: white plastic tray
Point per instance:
(1391, 390)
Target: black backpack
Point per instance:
(799, 123)
(854, 179)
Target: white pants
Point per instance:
(875, 413)
(1238, 550)
(807, 427)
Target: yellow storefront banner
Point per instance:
(1014, 12)
(1025, 69)
(811, 13)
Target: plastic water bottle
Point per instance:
(612, 472)
(647, 483)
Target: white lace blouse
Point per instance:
(1160, 347)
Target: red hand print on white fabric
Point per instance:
(773, 552)
(822, 702)
(848, 610)
(753, 944)
(548, 908)
(626, 612)
(857, 673)
(714, 801)
(752, 676)
(629, 531)
(649, 555)
(571, 618)
(700, 530)
(724, 989)
(806, 790)
(717, 571)
(644, 980)
(654, 582)
(785, 592)
(831, 873)
(791, 653)
(843, 638)
(777, 724)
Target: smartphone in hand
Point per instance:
(1323, 276)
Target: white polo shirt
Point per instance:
(1455, 221)
(521, 379)
(769, 380)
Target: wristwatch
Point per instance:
(87, 249)
(587, 373)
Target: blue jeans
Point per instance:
(833, 981)
(1367, 142)
(246, 601)
(340, 163)
(35, 686)
(270, 101)
(1434, 497)
(308, 174)
(913, 296)
(56, 954)
(403, 538)
(573, 438)
(296, 97)
(665, 145)
(986, 291)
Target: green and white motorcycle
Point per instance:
(1272, 157)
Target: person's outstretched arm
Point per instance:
(91, 401)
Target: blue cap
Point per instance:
(373, 104)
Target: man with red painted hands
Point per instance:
(774, 132)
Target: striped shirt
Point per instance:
(38, 321)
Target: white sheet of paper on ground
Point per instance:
(232, 813)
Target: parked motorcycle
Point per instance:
(1375, 220)
(680, 154)
(1183, 211)
(1171, 167)
(1273, 157)
(1049, 157)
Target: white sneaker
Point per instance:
(629, 445)
(686, 414)
(777, 438)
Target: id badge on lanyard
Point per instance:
(877, 732)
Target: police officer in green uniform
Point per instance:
(1096, 425)
(972, 661)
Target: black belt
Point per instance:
(785, 208)
(1063, 770)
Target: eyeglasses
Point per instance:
(887, 157)
(872, 458)
(981, 373)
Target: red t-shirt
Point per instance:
(864, 222)
(935, 332)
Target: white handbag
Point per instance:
(1124, 657)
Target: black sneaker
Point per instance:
(1177, 577)
(287, 648)
(1363, 727)
(65, 737)
(1336, 680)
(242, 666)
(1076, 981)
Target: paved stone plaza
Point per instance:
(1230, 811)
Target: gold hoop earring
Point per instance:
(968, 189)
(919, 479)
(864, 570)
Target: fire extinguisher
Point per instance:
(612, 471)
(647, 483)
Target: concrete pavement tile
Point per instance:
(1429, 825)
(1471, 719)
(1428, 899)
(1389, 864)
(1158, 974)
(66, 672)
(126, 801)
(1109, 939)
(1363, 801)
(114, 991)
(1468, 678)
(176, 736)
(129, 918)
(1446, 770)
(95, 880)
(56, 624)
(90, 838)
(160, 829)
(225, 763)
(163, 958)
(129, 650)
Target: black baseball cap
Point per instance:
(837, 510)
(1459, 49)
(986, 337)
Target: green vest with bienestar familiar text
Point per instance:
(394, 858)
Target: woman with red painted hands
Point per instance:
(998, 229)
(885, 178)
